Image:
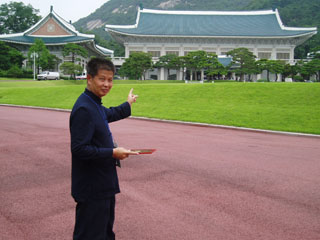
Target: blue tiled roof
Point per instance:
(252, 25)
(47, 40)
(225, 61)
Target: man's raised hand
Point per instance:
(131, 97)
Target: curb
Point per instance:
(184, 123)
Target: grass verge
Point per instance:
(292, 107)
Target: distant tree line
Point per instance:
(40, 58)
(243, 63)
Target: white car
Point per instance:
(82, 76)
(46, 75)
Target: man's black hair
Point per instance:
(95, 64)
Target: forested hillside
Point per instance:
(295, 13)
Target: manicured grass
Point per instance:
(290, 107)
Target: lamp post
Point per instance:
(34, 55)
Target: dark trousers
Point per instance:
(94, 220)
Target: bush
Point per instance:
(15, 71)
(3, 73)
(298, 78)
(27, 73)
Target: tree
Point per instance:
(196, 61)
(136, 65)
(312, 67)
(16, 17)
(69, 68)
(9, 57)
(271, 66)
(74, 49)
(214, 66)
(276, 67)
(169, 61)
(289, 71)
(43, 57)
(244, 59)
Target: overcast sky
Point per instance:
(67, 9)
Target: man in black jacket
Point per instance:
(94, 155)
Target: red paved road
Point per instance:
(202, 183)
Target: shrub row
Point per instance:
(17, 72)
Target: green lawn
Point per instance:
(290, 107)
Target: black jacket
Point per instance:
(94, 174)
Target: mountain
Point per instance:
(124, 11)
(295, 13)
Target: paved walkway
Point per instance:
(202, 183)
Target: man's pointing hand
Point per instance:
(131, 97)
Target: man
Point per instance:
(94, 156)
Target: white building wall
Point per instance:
(268, 48)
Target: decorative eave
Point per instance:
(29, 40)
(293, 28)
(103, 50)
(226, 36)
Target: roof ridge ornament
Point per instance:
(51, 9)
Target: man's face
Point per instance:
(102, 83)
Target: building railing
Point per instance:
(118, 61)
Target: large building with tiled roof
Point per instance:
(162, 32)
(55, 32)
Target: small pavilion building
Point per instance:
(162, 32)
(55, 32)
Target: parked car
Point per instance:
(82, 76)
(46, 75)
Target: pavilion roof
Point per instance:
(54, 30)
(259, 24)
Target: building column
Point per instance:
(180, 74)
(273, 54)
(162, 51)
(255, 51)
(234, 76)
(291, 56)
(258, 77)
(279, 77)
(218, 50)
(181, 50)
(161, 74)
(127, 52)
(202, 76)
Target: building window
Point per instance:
(172, 52)
(154, 53)
(264, 55)
(133, 52)
(283, 55)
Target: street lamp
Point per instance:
(34, 55)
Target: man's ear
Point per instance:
(89, 79)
